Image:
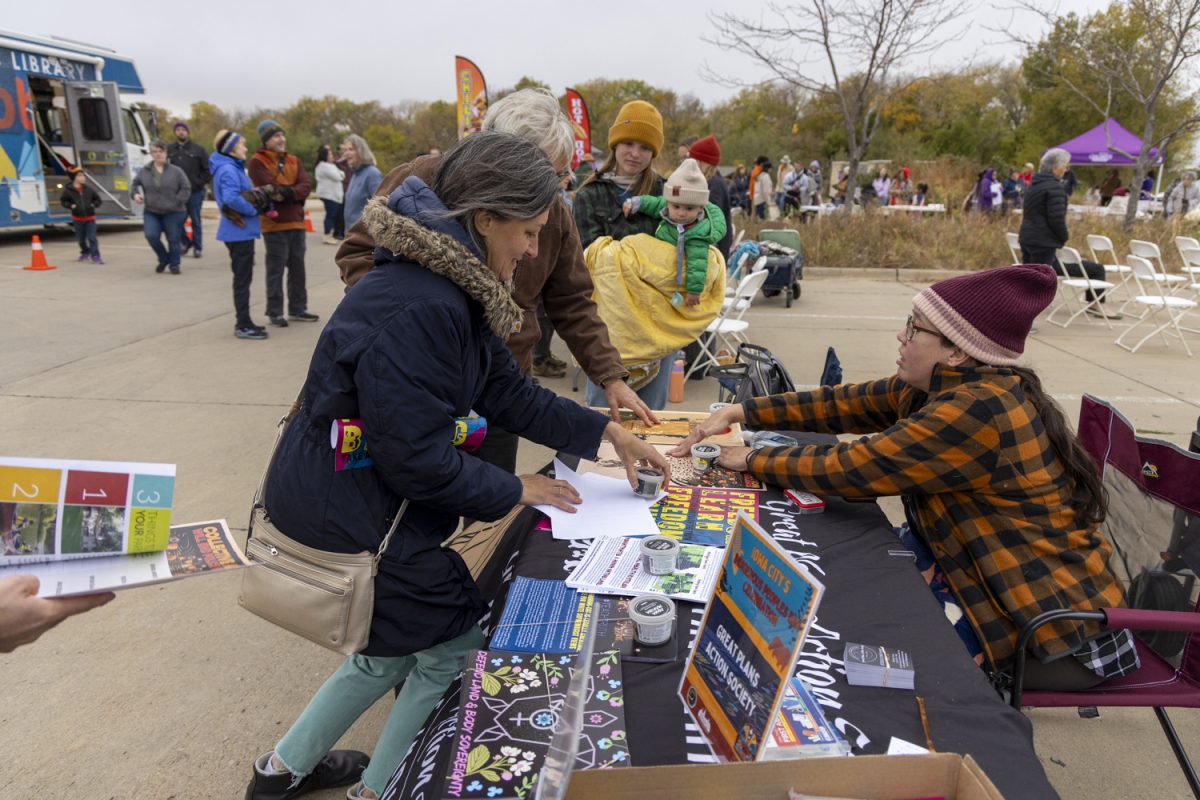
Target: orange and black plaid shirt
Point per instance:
(982, 485)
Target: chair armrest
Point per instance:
(1027, 632)
(1147, 620)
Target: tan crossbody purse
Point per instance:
(327, 598)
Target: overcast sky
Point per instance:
(247, 54)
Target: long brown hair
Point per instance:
(644, 185)
(1087, 494)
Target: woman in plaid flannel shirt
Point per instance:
(993, 480)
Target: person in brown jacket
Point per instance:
(556, 273)
(287, 184)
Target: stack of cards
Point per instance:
(874, 665)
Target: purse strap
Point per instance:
(282, 425)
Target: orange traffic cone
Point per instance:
(187, 228)
(37, 259)
(308, 226)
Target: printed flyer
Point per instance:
(508, 708)
(697, 515)
(543, 615)
(613, 565)
(197, 548)
(751, 634)
(62, 509)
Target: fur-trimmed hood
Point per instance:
(410, 225)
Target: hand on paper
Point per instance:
(630, 449)
(538, 490)
(619, 396)
(24, 616)
(716, 423)
(734, 458)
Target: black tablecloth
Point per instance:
(871, 597)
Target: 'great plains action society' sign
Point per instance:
(748, 644)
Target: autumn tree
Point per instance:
(861, 44)
(1131, 61)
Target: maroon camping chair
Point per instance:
(1154, 525)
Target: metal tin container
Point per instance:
(650, 481)
(659, 555)
(704, 456)
(653, 618)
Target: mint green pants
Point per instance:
(355, 686)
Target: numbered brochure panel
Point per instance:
(59, 509)
(748, 643)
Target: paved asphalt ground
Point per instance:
(170, 691)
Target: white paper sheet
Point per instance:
(899, 747)
(609, 508)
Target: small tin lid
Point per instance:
(659, 545)
(651, 608)
(649, 473)
(705, 450)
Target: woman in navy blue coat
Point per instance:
(415, 346)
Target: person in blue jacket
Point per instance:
(238, 227)
(415, 347)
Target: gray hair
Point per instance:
(361, 148)
(1188, 176)
(497, 172)
(534, 115)
(1054, 158)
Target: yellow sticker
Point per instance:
(121, 183)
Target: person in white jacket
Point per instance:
(1185, 197)
(330, 188)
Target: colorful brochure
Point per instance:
(63, 509)
(696, 515)
(198, 548)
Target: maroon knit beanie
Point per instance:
(706, 150)
(988, 314)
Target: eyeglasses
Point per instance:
(911, 329)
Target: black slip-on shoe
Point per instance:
(303, 316)
(279, 322)
(338, 768)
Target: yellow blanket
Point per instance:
(635, 281)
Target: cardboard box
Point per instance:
(947, 775)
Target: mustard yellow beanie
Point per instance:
(637, 121)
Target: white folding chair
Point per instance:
(1150, 252)
(1074, 290)
(741, 269)
(726, 330)
(1160, 305)
(1104, 253)
(1014, 246)
(1189, 252)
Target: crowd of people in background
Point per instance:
(173, 186)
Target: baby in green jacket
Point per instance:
(689, 222)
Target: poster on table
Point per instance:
(62, 509)
(749, 640)
(471, 94)
(581, 127)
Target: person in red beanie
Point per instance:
(707, 153)
(996, 488)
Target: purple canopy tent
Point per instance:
(1092, 149)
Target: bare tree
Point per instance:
(860, 45)
(1142, 51)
